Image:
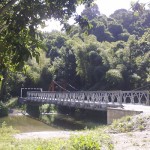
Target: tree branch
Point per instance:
(7, 6)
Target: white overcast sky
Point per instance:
(106, 7)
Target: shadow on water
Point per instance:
(76, 120)
(26, 124)
(69, 120)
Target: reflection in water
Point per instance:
(75, 121)
(63, 122)
(26, 124)
(55, 122)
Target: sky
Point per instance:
(106, 7)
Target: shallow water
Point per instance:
(52, 122)
(26, 124)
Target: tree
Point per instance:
(91, 12)
(124, 17)
(115, 29)
(20, 19)
(19, 38)
(135, 21)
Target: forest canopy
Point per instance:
(99, 53)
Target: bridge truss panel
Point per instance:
(90, 99)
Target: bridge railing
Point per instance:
(134, 97)
(88, 96)
(103, 97)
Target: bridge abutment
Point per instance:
(117, 113)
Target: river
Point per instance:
(53, 122)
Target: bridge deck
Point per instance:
(145, 109)
(75, 103)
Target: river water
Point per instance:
(53, 122)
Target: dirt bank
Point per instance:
(45, 134)
(131, 141)
(15, 112)
(135, 140)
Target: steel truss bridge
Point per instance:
(94, 100)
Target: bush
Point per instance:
(3, 110)
(89, 140)
(85, 142)
(129, 124)
(12, 102)
(47, 108)
(6, 132)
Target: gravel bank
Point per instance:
(46, 134)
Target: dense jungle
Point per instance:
(97, 52)
(112, 53)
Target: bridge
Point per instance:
(93, 100)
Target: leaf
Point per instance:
(136, 13)
(1, 78)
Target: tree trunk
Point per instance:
(7, 6)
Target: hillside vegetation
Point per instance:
(112, 53)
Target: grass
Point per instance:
(129, 124)
(12, 102)
(3, 110)
(6, 136)
(95, 139)
(124, 124)
(130, 134)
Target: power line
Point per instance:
(141, 87)
(60, 86)
(72, 87)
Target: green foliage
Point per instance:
(89, 140)
(123, 36)
(85, 142)
(114, 77)
(19, 36)
(48, 108)
(115, 29)
(12, 102)
(91, 12)
(1, 78)
(3, 110)
(141, 127)
(33, 75)
(6, 132)
(123, 125)
(113, 55)
(6, 138)
(129, 124)
(14, 84)
(117, 65)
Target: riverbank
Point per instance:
(88, 139)
(46, 135)
(139, 140)
(128, 133)
(15, 112)
(121, 141)
(136, 136)
(131, 133)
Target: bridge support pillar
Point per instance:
(33, 110)
(117, 113)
